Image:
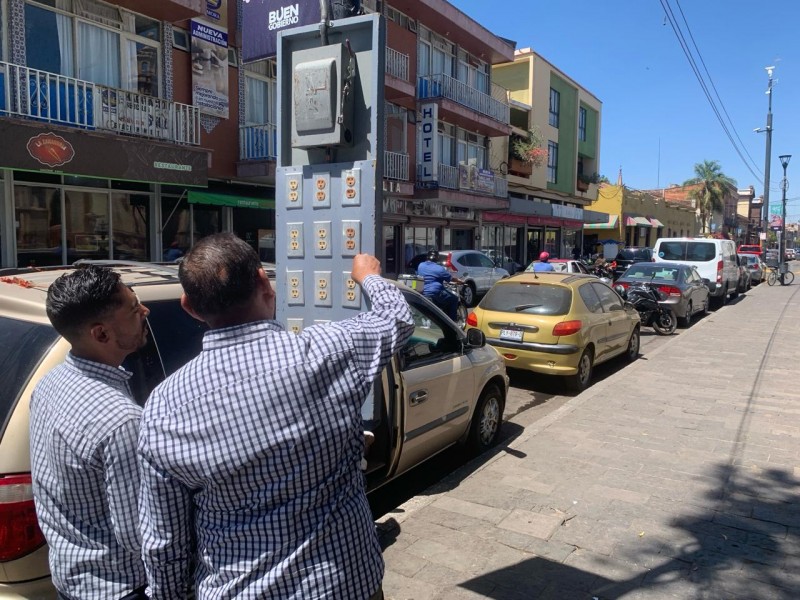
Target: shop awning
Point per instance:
(655, 222)
(205, 197)
(610, 224)
(634, 221)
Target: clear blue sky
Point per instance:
(626, 54)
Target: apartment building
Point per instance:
(118, 120)
(546, 201)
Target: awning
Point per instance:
(205, 197)
(610, 224)
(634, 221)
(655, 222)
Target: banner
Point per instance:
(776, 217)
(263, 19)
(210, 69)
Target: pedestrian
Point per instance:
(250, 454)
(543, 264)
(83, 432)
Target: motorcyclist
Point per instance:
(543, 264)
(435, 275)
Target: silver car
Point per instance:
(477, 270)
(754, 267)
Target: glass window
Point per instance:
(48, 41)
(608, 297)
(590, 298)
(177, 235)
(143, 68)
(207, 220)
(552, 162)
(582, 124)
(555, 107)
(426, 341)
(484, 261)
(256, 226)
(130, 214)
(38, 214)
(529, 298)
(86, 225)
(98, 55)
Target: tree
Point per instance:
(710, 195)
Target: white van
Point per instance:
(715, 261)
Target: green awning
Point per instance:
(205, 197)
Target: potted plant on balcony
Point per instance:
(527, 153)
(584, 180)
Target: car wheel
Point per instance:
(735, 293)
(719, 301)
(632, 353)
(469, 294)
(486, 420)
(687, 320)
(580, 381)
(705, 306)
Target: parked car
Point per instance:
(563, 265)
(750, 249)
(628, 256)
(771, 257)
(744, 275)
(477, 270)
(715, 260)
(680, 287)
(444, 387)
(755, 267)
(790, 254)
(561, 324)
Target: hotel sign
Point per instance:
(428, 150)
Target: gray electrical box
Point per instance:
(322, 97)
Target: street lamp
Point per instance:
(784, 158)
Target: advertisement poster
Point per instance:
(210, 69)
(263, 19)
(775, 217)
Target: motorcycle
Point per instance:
(647, 302)
(461, 311)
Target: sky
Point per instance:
(656, 121)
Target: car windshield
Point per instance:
(633, 254)
(22, 347)
(652, 271)
(692, 251)
(528, 298)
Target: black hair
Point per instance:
(219, 275)
(81, 296)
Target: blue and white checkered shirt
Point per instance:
(84, 427)
(250, 460)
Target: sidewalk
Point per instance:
(676, 477)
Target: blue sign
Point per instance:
(263, 19)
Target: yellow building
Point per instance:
(635, 219)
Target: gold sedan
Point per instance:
(557, 324)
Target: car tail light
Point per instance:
(567, 328)
(669, 290)
(19, 530)
(472, 319)
(448, 263)
(719, 271)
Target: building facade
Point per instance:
(546, 201)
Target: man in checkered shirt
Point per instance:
(250, 454)
(83, 430)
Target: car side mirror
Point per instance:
(476, 338)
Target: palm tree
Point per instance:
(710, 195)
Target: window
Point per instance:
(446, 144)
(435, 55)
(582, 124)
(260, 99)
(529, 299)
(427, 341)
(590, 299)
(608, 297)
(552, 162)
(471, 149)
(555, 106)
(94, 42)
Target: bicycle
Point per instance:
(773, 275)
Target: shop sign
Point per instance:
(210, 69)
(567, 212)
(217, 12)
(428, 148)
(50, 149)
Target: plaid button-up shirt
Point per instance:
(250, 460)
(83, 432)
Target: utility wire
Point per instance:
(687, 52)
(714, 87)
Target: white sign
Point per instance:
(567, 212)
(428, 151)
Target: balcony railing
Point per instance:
(444, 86)
(396, 64)
(448, 177)
(42, 96)
(468, 178)
(258, 142)
(395, 166)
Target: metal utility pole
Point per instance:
(784, 158)
(768, 130)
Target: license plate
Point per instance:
(513, 335)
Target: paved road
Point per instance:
(675, 477)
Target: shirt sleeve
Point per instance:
(379, 333)
(164, 520)
(122, 483)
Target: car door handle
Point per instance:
(418, 397)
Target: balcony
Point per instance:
(398, 86)
(468, 178)
(51, 98)
(258, 142)
(396, 64)
(489, 114)
(395, 166)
